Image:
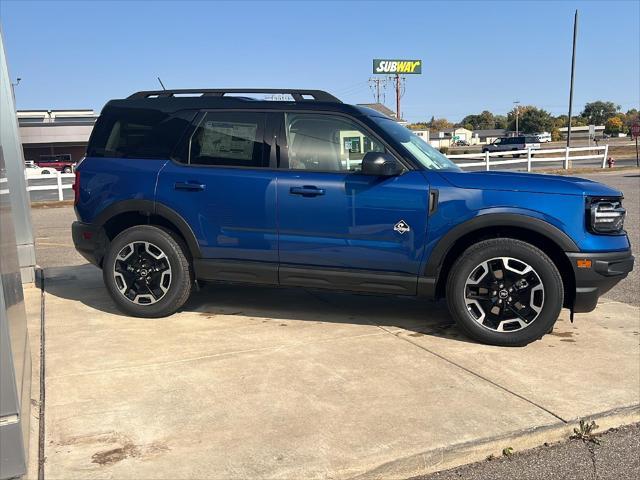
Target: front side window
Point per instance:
(232, 139)
(327, 143)
(429, 157)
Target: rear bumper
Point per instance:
(90, 241)
(606, 270)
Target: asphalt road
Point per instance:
(617, 457)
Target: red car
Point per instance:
(62, 163)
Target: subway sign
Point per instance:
(384, 66)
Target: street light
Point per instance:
(517, 109)
(13, 87)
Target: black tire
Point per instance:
(181, 273)
(544, 268)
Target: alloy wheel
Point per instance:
(504, 294)
(142, 272)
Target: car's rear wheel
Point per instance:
(505, 292)
(147, 272)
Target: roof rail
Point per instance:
(298, 95)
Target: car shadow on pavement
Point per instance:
(83, 283)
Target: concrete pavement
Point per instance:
(250, 382)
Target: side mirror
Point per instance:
(380, 165)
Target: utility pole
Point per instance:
(517, 108)
(376, 84)
(573, 68)
(398, 80)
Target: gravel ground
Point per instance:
(617, 457)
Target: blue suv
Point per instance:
(181, 186)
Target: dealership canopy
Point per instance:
(390, 66)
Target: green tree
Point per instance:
(632, 116)
(501, 121)
(531, 120)
(596, 113)
(482, 121)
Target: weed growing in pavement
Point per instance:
(585, 432)
(507, 452)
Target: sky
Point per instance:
(476, 55)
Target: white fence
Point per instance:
(530, 157)
(59, 186)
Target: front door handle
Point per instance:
(307, 191)
(189, 186)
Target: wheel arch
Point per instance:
(548, 238)
(128, 213)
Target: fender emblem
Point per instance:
(402, 227)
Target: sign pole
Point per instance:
(635, 131)
(398, 116)
(573, 68)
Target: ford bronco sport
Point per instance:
(215, 185)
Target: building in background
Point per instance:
(55, 135)
(582, 132)
(489, 136)
(445, 138)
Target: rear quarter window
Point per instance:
(137, 133)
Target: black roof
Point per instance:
(195, 99)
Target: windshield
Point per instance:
(424, 153)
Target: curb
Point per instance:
(457, 455)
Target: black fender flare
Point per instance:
(442, 248)
(149, 207)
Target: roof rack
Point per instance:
(298, 95)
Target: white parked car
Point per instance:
(33, 170)
(544, 137)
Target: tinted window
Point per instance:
(326, 143)
(228, 139)
(137, 133)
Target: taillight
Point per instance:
(76, 188)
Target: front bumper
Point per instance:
(606, 270)
(90, 241)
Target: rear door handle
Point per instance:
(189, 186)
(307, 191)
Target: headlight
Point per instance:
(606, 215)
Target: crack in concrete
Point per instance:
(501, 387)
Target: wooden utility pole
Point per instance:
(375, 84)
(573, 68)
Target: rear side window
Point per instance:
(232, 139)
(137, 132)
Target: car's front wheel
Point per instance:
(505, 292)
(147, 272)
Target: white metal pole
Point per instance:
(59, 178)
(566, 158)
(528, 159)
(486, 159)
(604, 156)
